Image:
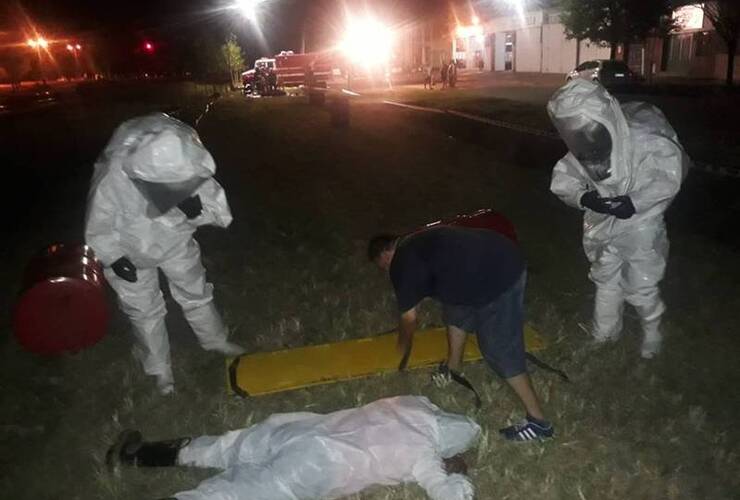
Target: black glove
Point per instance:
(124, 269)
(593, 201)
(621, 207)
(191, 207)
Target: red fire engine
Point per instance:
(289, 70)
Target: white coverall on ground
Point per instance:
(295, 456)
(648, 164)
(158, 149)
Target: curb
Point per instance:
(416, 108)
(507, 125)
(704, 167)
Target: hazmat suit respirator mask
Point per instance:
(591, 144)
(164, 196)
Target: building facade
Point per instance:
(532, 42)
(535, 41)
(695, 49)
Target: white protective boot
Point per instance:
(211, 332)
(652, 339)
(608, 309)
(165, 384)
(650, 312)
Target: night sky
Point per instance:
(173, 21)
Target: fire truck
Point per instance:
(288, 69)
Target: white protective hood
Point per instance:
(153, 148)
(648, 163)
(583, 99)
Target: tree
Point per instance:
(725, 17)
(611, 22)
(233, 59)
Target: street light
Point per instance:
(367, 41)
(37, 43)
(248, 8)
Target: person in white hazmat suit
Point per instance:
(624, 168)
(151, 189)
(301, 456)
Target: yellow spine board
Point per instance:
(265, 373)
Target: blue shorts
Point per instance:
(499, 326)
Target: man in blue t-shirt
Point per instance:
(479, 277)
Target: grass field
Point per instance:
(705, 121)
(292, 271)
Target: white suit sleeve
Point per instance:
(431, 476)
(568, 183)
(216, 211)
(659, 175)
(100, 232)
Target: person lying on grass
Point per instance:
(305, 455)
(479, 277)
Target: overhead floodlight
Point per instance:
(367, 41)
(248, 8)
(469, 31)
(518, 6)
(36, 43)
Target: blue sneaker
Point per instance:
(528, 430)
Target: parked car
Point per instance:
(610, 73)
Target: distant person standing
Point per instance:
(443, 74)
(428, 77)
(452, 74)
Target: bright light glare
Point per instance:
(469, 31)
(367, 41)
(70, 47)
(78, 46)
(248, 8)
(39, 42)
(518, 6)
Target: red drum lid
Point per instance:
(63, 314)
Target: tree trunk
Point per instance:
(578, 51)
(731, 49)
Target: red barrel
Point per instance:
(63, 305)
(485, 218)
